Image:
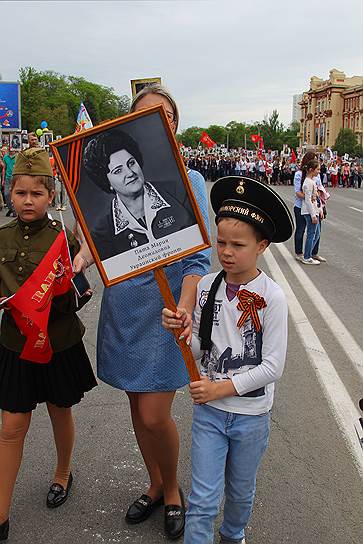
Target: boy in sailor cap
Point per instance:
(240, 334)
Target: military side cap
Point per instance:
(252, 202)
(33, 162)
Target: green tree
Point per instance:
(191, 136)
(346, 142)
(217, 133)
(291, 135)
(272, 130)
(56, 98)
(238, 134)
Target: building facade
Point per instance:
(296, 108)
(330, 105)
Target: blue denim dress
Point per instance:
(134, 352)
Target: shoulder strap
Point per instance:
(206, 319)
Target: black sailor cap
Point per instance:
(253, 202)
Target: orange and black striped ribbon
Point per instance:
(74, 159)
(249, 303)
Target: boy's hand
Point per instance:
(178, 320)
(204, 390)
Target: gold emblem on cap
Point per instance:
(240, 189)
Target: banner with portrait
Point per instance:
(131, 194)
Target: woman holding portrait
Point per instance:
(135, 354)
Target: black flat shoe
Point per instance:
(4, 530)
(174, 519)
(57, 495)
(142, 508)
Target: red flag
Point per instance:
(255, 138)
(30, 307)
(261, 144)
(207, 140)
(293, 156)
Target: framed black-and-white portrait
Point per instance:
(46, 138)
(5, 139)
(15, 141)
(131, 194)
(138, 84)
(24, 139)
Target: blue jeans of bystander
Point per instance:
(227, 449)
(312, 236)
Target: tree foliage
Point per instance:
(56, 98)
(346, 142)
(238, 134)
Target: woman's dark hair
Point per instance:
(308, 165)
(97, 154)
(309, 156)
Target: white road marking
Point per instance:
(340, 403)
(356, 209)
(338, 329)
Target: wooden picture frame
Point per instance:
(138, 84)
(47, 138)
(172, 227)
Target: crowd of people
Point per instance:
(273, 169)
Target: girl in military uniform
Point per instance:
(23, 384)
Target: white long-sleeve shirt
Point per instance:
(309, 204)
(252, 360)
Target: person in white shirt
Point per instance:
(310, 210)
(240, 335)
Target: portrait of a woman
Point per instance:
(140, 211)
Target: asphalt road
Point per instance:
(310, 484)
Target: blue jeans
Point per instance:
(227, 449)
(312, 236)
(300, 225)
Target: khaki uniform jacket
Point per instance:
(22, 247)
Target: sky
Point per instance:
(222, 60)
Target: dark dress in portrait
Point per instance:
(120, 231)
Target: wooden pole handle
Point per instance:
(169, 302)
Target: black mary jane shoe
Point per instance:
(4, 530)
(57, 495)
(174, 519)
(142, 508)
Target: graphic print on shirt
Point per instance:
(229, 364)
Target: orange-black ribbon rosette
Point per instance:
(249, 303)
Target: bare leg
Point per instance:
(158, 440)
(12, 435)
(145, 443)
(63, 430)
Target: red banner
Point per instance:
(207, 140)
(30, 307)
(293, 156)
(255, 138)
